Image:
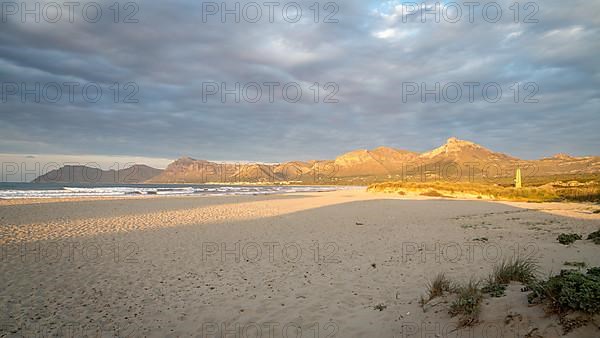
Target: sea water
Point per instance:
(62, 190)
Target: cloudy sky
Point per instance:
(162, 59)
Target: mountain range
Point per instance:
(138, 173)
(455, 160)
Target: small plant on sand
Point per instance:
(437, 287)
(569, 291)
(380, 307)
(567, 239)
(595, 236)
(467, 304)
(494, 288)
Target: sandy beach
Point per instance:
(330, 264)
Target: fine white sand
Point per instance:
(262, 266)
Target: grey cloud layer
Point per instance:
(369, 54)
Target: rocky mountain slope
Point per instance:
(455, 160)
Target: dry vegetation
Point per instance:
(437, 288)
(569, 292)
(549, 192)
(522, 270)
(467, 303)
(469, 296)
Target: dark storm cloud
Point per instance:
(369, 53)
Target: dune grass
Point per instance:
(439, 285)
(469, 295)
(467, 305)
(523, 270)
(572, 291)
(546, 193)
(520, 269)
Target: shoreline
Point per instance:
(558, 205)
(144, 195)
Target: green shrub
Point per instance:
(567, 239)
(595, 236)
(594, 271)
(494, 289)
(571, 290)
